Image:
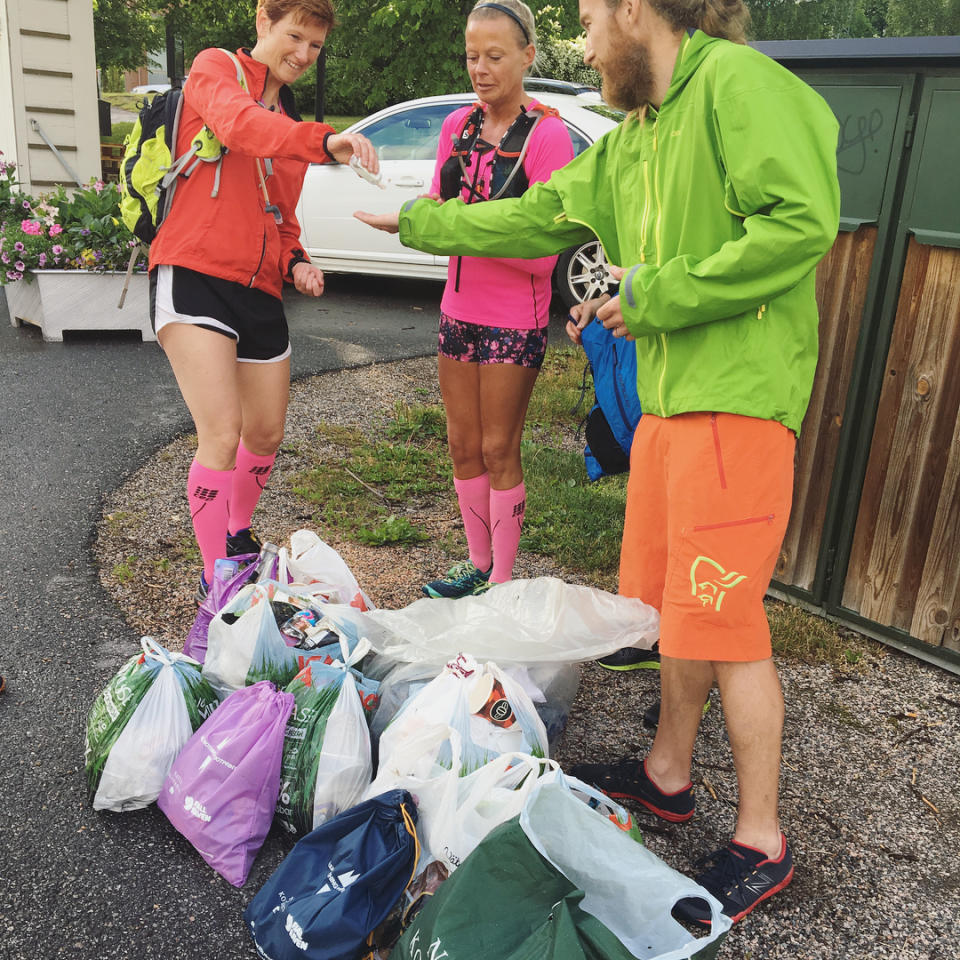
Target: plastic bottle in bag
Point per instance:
(267, 562)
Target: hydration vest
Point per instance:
(507, 176)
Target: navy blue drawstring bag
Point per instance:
(613, 419)
(338, 883)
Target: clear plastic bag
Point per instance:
(521, 621)
(628, 888)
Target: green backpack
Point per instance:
(149, 172)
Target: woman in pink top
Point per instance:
(494, 312)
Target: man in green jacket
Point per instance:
(717, 196)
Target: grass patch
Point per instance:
(579, 524)
(556, 400)
(372, 494)
(807, 638)
(125, 569)
(337, 121)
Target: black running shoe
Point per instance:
(631, 658)
(627, 780)
(241, 542)
(740, 877)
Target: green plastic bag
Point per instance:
(506, 901)
(134, 690)
(317, 690)
(509, 902)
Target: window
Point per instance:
(409, 134)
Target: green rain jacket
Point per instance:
(721, 203)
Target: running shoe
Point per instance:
(462, 579)
(203, 589)
(740, 877)
(243, 541)
(627, 780)
(631, 658)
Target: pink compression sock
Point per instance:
(208, 492)
(249, 479)
(507, 508)
(474, 498)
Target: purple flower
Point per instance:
(57, 249)
(19, 265)
(5, 258)
(26, 204)
(18, 246)
(84, 232)
(42, 259)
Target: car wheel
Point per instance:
(581, 273)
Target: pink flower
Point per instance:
(4, 258)
(42, 259)
(98, 186)
(31, 226)
(18, 246)
(57, 249)
(20, 265)
(55, 230)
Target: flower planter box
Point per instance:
(59, 300)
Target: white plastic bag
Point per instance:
(311, 561)
(142, 755)
(483, 800)
(245, 645)
(626, 887)
(414, 766)
(491, 711)
(521, 621)
(345, 766)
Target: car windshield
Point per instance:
(410, 134)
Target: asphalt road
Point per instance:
(75, 419)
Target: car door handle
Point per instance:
(407, 182)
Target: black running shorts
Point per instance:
(251, 317)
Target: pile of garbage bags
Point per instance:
(408, 755)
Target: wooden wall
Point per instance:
(842, 280)
(904, 568)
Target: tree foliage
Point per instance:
(124, 31)
(385, 51)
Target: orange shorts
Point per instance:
(707, 507)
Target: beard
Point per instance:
(627, 76)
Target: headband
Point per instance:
(510, 13)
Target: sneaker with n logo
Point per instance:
(462, 580)
(740, 877)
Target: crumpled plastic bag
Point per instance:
(520, 621)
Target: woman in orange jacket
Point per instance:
(222, 254)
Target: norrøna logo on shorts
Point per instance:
(710, 582)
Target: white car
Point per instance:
(406, 136)
(151, 88)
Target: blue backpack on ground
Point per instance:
(338, 883)
(613, 418)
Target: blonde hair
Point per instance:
(726, 19)
(520, 10)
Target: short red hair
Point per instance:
(319, 12)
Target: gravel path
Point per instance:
(870, 774)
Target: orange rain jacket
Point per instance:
(233, 236)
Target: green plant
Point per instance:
(125, 569)
(60, 231)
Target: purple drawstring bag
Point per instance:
(221, 591)
(223, 787)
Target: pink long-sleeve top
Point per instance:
(502, 291)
